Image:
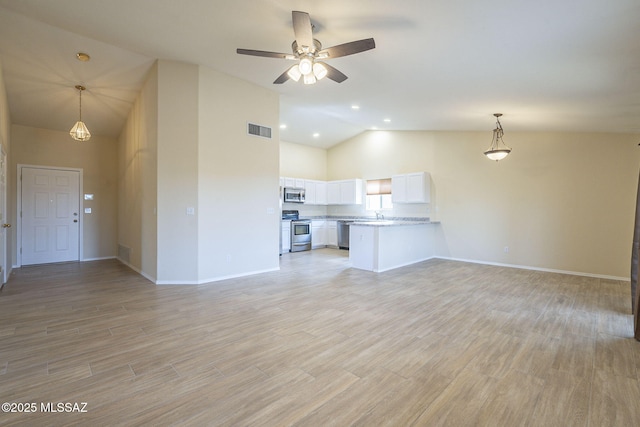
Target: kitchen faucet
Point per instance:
(379, 215)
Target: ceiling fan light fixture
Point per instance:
(294, 73)
(306, 50)
(309, 79)
(79, 131)
(319, 70)
(306, 66)
(498, 150)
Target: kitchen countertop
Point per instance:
(388, 223)
(372, 222)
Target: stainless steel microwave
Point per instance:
(293, 195)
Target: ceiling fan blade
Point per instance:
(333, 73)
(302, 28)
(282, 77)
(347, 48)
(265, 54)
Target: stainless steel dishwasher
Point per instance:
(343, 234)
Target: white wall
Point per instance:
(303, 161)
(560, 201)
(98, 160)
(5, 140)
(186, 146)
(177, 178)
(238, 178)
(5, 119)
(298, 160)
(137, 181)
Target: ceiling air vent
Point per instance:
(258, 130)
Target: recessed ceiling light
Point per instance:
(283, 126)
(355, 107)
(315, 135)
(387, 120)
(81, 56)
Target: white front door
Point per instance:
(50, 226)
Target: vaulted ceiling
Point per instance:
(547, 65)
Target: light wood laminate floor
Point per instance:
(318, 343)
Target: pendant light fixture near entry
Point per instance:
(498, 149)
(79, 131)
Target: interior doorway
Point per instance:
(49, 214)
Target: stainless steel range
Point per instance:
(300, 231)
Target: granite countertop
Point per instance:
(372, 222)
(389, 223)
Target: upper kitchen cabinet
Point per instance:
(345, 192)
(291, 182)
(315, 192)
(411, 188)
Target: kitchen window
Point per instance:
(379, 194)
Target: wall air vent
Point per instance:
(258, 130)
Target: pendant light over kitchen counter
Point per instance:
(498, 149)
(79, 131)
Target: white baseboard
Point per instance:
(527, 267)
(194, 282)
(137, 270)
(215, 279)
(98, 259)
(402, 265)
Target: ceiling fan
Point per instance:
(309, 53)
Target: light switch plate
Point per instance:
(87, 210)
(88, 196)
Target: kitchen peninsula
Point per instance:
(384, 245)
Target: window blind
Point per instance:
(378, 186)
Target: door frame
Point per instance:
(6, 262)
(18, 246)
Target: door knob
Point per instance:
(6, 225)
(75, 220)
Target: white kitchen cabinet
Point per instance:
(288, 182)
(286, 236)
(333, 192)
(321, 193)
(379, 247)
(309, 192)
(292, 182)
(318, 234)
(399, 188)
(351, 192)
(324, 233)
(332, 233)
(344, 192)
(411, 188)
(315, 192)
